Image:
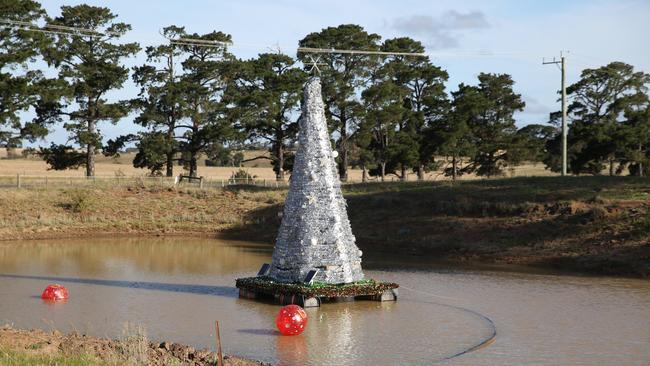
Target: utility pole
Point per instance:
(562, 62)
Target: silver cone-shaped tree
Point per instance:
(315, 232)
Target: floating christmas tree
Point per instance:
(315, 242)
(315, 233)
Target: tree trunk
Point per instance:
(343, 147)
(640, 162)
(279, 176)
(403, 173)
(421, 172)
(169, 164)
(383, 170)
(364, 174)
(195, 132)
(611, 167)
(90, 151)
(193, 164)
(454, 168)
(343, 166)
(170, 155)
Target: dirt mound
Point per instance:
(133, 350)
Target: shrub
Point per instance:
(79, 200)
(241, 175)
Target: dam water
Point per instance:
(175, 288)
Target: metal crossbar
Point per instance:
(201, 41)
(196, 42)
(52, 28)
(183, 43)
(358, 52)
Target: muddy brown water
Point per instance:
(175, 289)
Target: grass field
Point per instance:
(592, 224)
(261, 168)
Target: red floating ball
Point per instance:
(291, 320)
(55, 293)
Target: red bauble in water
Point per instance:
(55, 293)
(291, 320)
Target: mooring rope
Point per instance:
(481, 344)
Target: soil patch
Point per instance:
(131, 350)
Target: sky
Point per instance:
(463, 37)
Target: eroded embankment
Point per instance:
(590, 224)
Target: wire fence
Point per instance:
(53, 182)
(23, 181)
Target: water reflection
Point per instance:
(292, 350)
(168, 255)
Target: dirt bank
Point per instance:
(595, 225)
(43, 346)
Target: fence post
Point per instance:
(18, 180)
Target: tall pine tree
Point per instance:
(489, 111)
(599, 101)
(89, 66)
(207, 73)
(160, 104)
(266, 99)
(342, 78)
(425, 101)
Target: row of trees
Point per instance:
(388, 115)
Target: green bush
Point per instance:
(80, 200)
(14, 358)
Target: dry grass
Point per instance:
(134, 345)
(40, 348)
(261, 169)
(57, 212)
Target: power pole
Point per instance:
(562, 62)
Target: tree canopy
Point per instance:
(20, 87)
(267, 95)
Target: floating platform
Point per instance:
(264, 287)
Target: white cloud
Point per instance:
(443, 31)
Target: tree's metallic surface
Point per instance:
(315, 232)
